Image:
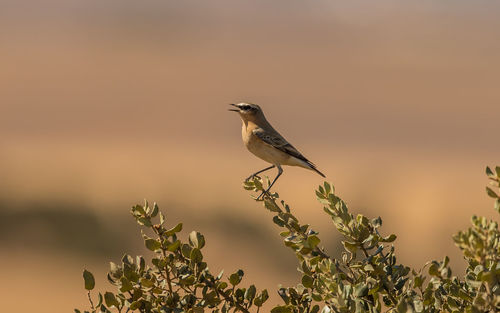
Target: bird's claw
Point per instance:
(260, 198)
(252, 176)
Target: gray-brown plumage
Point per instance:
(265, 142)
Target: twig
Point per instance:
(337, 267)
(389, 294)
(90, 300)
(316, 250)
(164, 253)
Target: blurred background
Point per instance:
(105, 103)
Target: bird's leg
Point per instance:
(280, 171)
(255, 174)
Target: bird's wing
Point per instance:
(278, 142)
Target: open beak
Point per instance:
(234, 110)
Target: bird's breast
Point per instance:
(261, 149)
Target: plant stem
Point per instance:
(90, 300)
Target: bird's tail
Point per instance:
(313, 167)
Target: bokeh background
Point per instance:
(105, 103)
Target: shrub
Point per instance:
(366, 278)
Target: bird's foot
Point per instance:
(260, 197)
(252, 176)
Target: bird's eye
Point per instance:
(245, 107)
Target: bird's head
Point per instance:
(247, 111)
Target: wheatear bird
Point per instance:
(265, 142)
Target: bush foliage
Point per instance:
(366, 278)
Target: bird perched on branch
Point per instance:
(265, 142)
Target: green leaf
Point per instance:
(115, 270)
(130, 273)
(445, 262)
(159, 263)
(418, 281)
(141, 262)
(282, 309)
(419, 305)
(464, 296)
(174, 230)
(271, 206)
(99, 299)
(155, 210)
(488, 277)
(196, 240)
(377, 222)
(174, 246)
(489, 172)
(219, 276)
(104, 309)
(189, 280)
(222, 285)
(307, 281)
(321, 190)
(319, 195)
(186, 250)
(249, 185)
(257, 183)
(147, 282)
(126, 285)
(135, 305)
(313, 241)
(278, 221)
(285, 233)
(400, 283)
(491, 193)
(138, 210)
(127, 259)
(235, 278)
(328, 188)
(349, 246)
(261, 299)
(146, 221)
(282, 293)
(368, 239)
(361, 290)
(317, 297)
(152, 244)
(389, 238)
(110, 300)
(88, 280)
(196, 255)
(250, 293)
(433, 269)
(402, 307)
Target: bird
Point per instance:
(266, 143)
